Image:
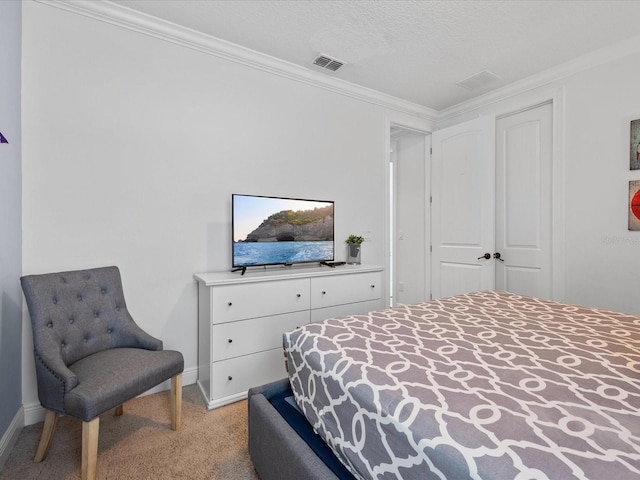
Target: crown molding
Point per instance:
(124, 17)
(118, 15)
(548, 77)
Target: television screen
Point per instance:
(275, 230)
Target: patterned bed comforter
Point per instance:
(488, 385)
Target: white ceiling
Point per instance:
(416, 50)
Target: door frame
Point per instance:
(393, 216)
(390, 230)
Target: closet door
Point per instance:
(463, 208)
(490, 203)
(523, 202)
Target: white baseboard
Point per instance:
(10, 437)
(34, 413)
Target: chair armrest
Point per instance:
(145, 340)
(54, 381)
(131, 335)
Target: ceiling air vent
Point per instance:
(328, 63)
(478, 80)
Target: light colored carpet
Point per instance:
(211, 445)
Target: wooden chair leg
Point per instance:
(49, 428)
(90, 432)
(176, 402)
(119, 411)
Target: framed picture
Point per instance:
(634, 145)
(634, 205)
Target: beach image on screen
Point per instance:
(270, 230)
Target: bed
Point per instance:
(488, 385)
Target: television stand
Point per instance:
(244, 269)
(241, 320)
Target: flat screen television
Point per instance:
(280, 231)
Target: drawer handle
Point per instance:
(324, 292)
(373, 286)
(230, 303)
(230, 340)
(298, 295)
(229, 378)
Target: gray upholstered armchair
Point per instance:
(90, 355)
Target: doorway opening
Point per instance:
(409, 216)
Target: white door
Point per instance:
(493, 199)
(463, 208)
(523, 202)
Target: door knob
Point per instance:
(497, 256)
(486, 256)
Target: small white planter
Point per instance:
(353, 253)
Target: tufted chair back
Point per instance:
(73, 315)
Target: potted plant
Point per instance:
(354, 247)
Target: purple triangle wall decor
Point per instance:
(2, 139)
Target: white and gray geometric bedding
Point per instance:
(488, 385)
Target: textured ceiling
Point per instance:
(416, 50)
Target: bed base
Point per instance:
(276, 450)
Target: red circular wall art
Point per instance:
(635, 205)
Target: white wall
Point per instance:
(133, 147)
(602, 255)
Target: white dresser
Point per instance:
(241, 319)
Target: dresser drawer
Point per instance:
(255, 335)
(236, 375)
(345, 310)
(236, 302)
(342, 289)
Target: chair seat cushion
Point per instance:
(109, 378)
